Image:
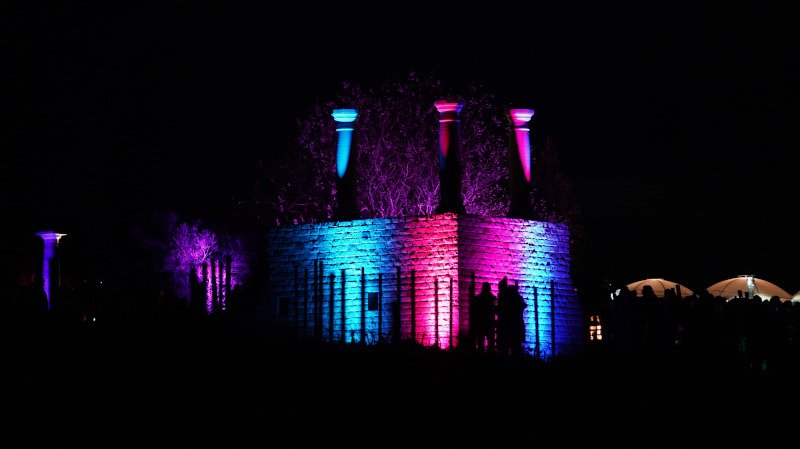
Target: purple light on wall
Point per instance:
(50, 239)
(521, 117)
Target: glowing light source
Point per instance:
(50, 243)
(343, 118)
(521, 117)
(595, 328)
(751, 286)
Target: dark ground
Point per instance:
(203, 381)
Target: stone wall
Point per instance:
(438, 260)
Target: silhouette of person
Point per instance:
(502, 316)
(481, 319)
(515, 323)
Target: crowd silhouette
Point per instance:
(746, 332)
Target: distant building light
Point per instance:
(595, 328)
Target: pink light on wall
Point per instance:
(521, 118)
(433, 255)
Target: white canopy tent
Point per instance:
(750, 285)
(796, 297)
(659, 287)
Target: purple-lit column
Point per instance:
(50, 260)
(346, 207)
(449, 165)
(520, 164)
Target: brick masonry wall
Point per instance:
(435, 251)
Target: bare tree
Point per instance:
(190, 246)
(553, 199)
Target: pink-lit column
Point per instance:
(346, 202)
(449, 165)
(50, 262)
(520, 164)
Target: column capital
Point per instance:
(520, 116)
(49, 236)
(344, 115)
(444, 106)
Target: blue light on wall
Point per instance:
(536, 266)
(371, 247)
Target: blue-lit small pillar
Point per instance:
(449, 165)
(50, 259)
(346, 205)
(520, 164)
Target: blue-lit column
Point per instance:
(520, 164)
(50, 260)
(449, 165)
(346, 204)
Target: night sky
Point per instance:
(679, 127)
